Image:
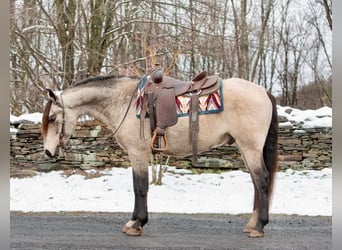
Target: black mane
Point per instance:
(100, 80)
(94, 79)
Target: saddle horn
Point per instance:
(157, 76)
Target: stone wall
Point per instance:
(92, 147)
(298, 149)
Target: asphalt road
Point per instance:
(165, 231)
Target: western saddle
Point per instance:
(159, 102)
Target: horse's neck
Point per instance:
(103, 104)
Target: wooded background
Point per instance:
(283, 45)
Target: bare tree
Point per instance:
(328, 11)
(320, 46)
(65, 31)
(266, 8)
(26, 58)
(54, 43)
(241, 38)
(98, 33)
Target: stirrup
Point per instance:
(154, 138)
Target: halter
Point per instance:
(61, 135)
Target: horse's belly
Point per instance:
(209, 136)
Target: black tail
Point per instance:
(270, 151)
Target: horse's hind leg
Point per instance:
(254, 219)
(260, 177)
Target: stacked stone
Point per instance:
(305, 148)
(92, 146)
(26, 149)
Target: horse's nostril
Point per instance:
(48, 153)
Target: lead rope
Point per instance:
(61, 135)
(63, 149)
(129, 106)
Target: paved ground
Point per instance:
(165, 231)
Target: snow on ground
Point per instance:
(295, 192)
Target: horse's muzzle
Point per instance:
(52, 154)
(48, 153)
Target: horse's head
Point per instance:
(57, 124)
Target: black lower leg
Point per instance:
(260, 179)
(263, 217)
(140, 184)
(263, 202)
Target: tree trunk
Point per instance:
(66, 10)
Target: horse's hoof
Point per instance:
(128, 225)
(248, 229)
(125, 229)
(256, 234)
(134, 231)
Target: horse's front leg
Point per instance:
(140, 185)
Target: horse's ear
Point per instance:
(53, 97)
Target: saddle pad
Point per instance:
(208, 104)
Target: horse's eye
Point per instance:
(52, 118)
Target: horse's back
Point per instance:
(238, 88)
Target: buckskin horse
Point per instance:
(248, 120)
